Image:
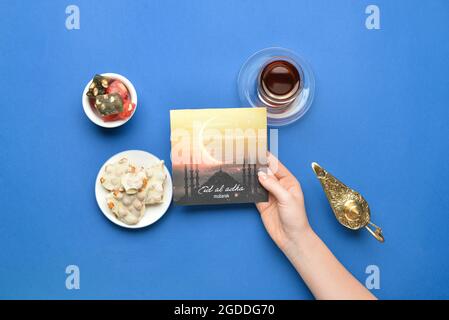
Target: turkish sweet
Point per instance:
(111, 178)
(128, 208)
(134, 180)
(98, 86)
(109, 104)
(155, 187)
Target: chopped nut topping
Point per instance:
(144, 184)
(104, 83)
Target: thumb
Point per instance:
(273, 186)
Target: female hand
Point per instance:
(285, 219)
(284, 215)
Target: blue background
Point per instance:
(379, 122)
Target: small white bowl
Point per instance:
(91, 113)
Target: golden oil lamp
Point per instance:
(349, 207)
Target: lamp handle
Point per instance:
(377, 233)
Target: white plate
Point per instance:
(152, 212)
(90, 113)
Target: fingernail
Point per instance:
(262, 175)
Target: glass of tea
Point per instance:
(281, 81)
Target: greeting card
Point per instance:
(216, 155)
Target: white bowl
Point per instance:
(90, 113)
(152, 212)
